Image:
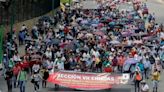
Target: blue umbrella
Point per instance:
(136, 17)
(131, 61)
(112, 24)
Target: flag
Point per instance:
(1, 42)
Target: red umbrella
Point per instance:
(23, 64)
(100, 25)
(62, 45)
(109, 20)
(103, 40)
(108, 69)
(31, 63)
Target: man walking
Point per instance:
(8, 77)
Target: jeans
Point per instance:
(137, 86)
(44, 83)
(146, 73)
(22, 86)
(15, 81)
(155, 85)
(36, 86)
(9, 85)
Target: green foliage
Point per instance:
(65, 1)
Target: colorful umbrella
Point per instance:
(131, 61)
(114, 42)
(100, 33)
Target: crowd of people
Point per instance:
(107, 39)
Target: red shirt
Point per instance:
(16, 70)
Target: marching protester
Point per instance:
(137, 77)
(8, 77)
(22, 79)
(155, 80)
(147, 68)
(35, 80)
(16, 70)
(45, 75)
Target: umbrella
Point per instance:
(84, 49)
(118, 26)
(31, 63)
(94, 25)
(146, 38)
(111, 23)
(89, 35)
(69, 37)
(131, 61)
(124, 19)
(100, 25)
(84, 22)
(23, 64)
(100, 33)
(55, 41)
(103, 40)
(70, 46)
(126, 33)
(136, 17)
(62, 45)
(79, 19)
(138, 42)
(114, 42)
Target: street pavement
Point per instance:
(154, 6)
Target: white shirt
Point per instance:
(48, 54)
(59, 64)
(145, 88)
(35, 67)
(16, 58)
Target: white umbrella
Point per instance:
(84, 22)
(114, 42)
(79, 19)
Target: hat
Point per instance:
(143, 81)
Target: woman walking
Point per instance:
(36, 78)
